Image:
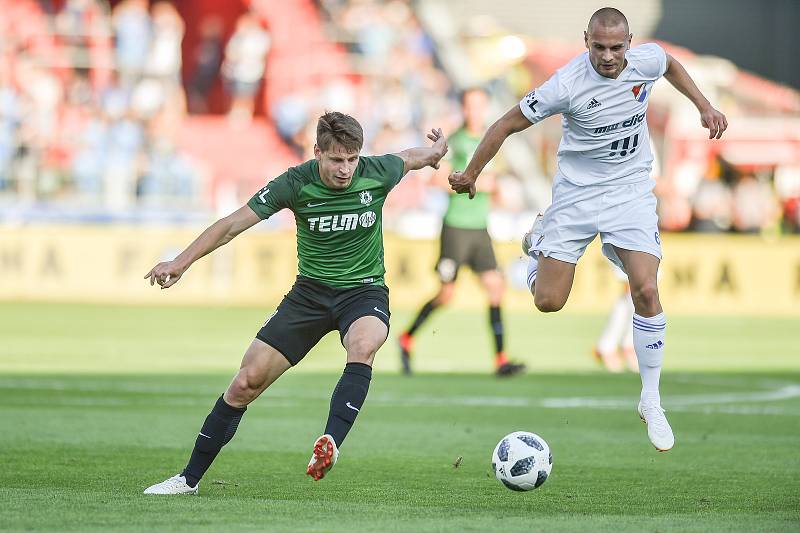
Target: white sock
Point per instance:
(648, 340)
(618, 320)
(532, 266)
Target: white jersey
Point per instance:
(604, 121)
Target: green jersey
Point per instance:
(339, 233)
(461, 211)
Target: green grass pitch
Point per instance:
(99, 402)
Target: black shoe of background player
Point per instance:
(509, 369)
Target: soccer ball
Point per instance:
(522, 461)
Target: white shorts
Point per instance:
(624, 216)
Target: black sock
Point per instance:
(347, 399)
(217, 431)
(426, 310)
(497, 327)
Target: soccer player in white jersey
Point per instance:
(602, 185)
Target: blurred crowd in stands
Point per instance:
(93, 96)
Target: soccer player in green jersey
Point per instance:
(465, 239)
(337, 199)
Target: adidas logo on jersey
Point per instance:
(594, 103)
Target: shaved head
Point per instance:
(607, 17)
(607, 38)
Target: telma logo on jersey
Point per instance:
(346, 222)
(640, 92)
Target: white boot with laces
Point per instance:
(658, 429)
(174, 485)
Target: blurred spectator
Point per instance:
(207, 60)
(133, 30)
(244, 65)
(787, 186)
(77, 125)
(754, 205)
(712, 209)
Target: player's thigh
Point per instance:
(300, 321)
(569, 225)
(363, 338)
(553, 283)
(629, 221)
(453, 251)
(261, 365)
(351, 307)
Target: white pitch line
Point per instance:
(673, 401)
(706, 403)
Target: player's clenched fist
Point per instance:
(461, 183)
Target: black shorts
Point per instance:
(459, 246)
(312, 309)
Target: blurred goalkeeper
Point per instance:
(337, 200)
(465, 239)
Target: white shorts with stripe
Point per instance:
(623, 215)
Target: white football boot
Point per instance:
(323, 458)
(529, 240)
(658, 428)
(174, 485)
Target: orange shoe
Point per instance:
(406, 343)
(505, 368)
(323, 458)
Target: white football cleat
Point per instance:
(323, 458)
(174, 485)
(658, 429)
(529, 240)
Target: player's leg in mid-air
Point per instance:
(649, 327)
(629, 232)
(549, 279)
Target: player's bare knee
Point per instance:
(548, 303)
(645, 298)
(246, 386)
(361, 350)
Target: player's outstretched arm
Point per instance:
(167, 273)
(709, 117)
(417, 158)
(512, 122)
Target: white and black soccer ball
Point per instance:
(522, 461)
